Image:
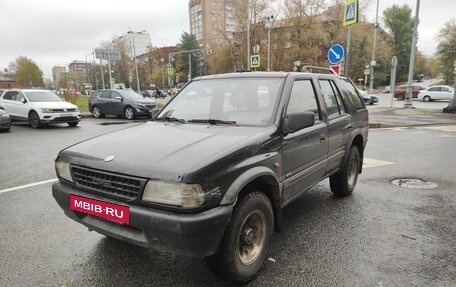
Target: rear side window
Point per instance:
(333, 102)
(105, 95)
(9, 95)
(350, 91)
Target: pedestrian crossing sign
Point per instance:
(170, 71)
(255, 61)
(351, 12)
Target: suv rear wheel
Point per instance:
(97, 112)
(343, 182)
(246, 241)
(400, 97)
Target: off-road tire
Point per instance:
(343, 182)
(246, 241)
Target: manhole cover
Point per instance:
(416, 183)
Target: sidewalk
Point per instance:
(400, 117)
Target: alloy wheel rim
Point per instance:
(352, 171)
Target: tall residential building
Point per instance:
(138, 43)
(57, 74)
(214, 22)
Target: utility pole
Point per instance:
(373, 63)
(408, 94)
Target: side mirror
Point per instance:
(297, 121)
(154, 112)
(23, 100)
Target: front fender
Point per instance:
(241, 181)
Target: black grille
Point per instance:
(64, 119)
(63, 110)
(150, 106)
(108, 183)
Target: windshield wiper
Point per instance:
(213, 122)
(172, 119)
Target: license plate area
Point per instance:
(102, 209)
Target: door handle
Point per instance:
(348, 126)
(322, 137)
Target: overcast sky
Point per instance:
(56, 32)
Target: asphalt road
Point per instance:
(383, 235)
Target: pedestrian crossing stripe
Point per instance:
(370, 162)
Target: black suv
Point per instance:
(120, 103)
(223, 157)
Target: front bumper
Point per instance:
(196, 235)
(49, 118)
(5, 123)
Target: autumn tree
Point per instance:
(27, 72)
(446, 49)
(399, 20)
(188, 43)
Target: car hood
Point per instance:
(163, 150)
(55, 105)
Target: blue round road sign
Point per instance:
(336, 54)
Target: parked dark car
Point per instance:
(147, 93)
(368, 98)
(399, 91)
(210, 175)
(120, 103)
(5, 121)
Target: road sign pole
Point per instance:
(348, 51)
(408, 94)
(371, 84)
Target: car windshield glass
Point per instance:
(129, 94)
(42, 96)
(247, 101)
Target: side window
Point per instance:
(303, 99)
(355, 99)
(115, 94)
(19, 97)
(105, 95)
(333, 102)
(10, 95)
(434, 89)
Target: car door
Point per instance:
(445, 93)
(104, 102)
(305, 151)
(9, 103)
(339, 123)
(116, 105)
(22, 105)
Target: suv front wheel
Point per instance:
(34, 120)
(343, 183)
(246, 241)
(129, 113)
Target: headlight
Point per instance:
(62, 169)
(6, 116)
(178, 194)
(45, 110)
(77, 110)
(140, 104)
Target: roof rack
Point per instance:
(317, 70)
(241, 71)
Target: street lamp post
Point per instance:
(372, 64)
(408, 94)
(132, 39)
(268, 25)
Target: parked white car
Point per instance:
(39, 107)
(436, 93)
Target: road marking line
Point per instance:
(440, 128)
(370, 162)
(28, 185)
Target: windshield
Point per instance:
(248, 101)
(130, 94)
(42, 96)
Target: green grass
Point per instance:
(83, 103)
